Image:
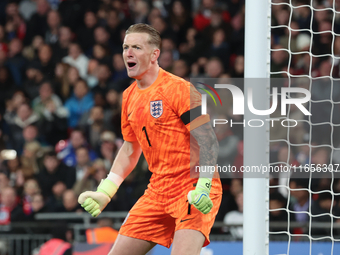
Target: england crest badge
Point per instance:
(156, 108)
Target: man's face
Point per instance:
(51, 163)
(137, 54)
(8, 197)
(69, 200)
(82, 156)
(77, 139)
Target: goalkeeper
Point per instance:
(160, 113)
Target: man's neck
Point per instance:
(148, 78)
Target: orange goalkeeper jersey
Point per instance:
(158, 117)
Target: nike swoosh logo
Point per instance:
(186, 220)
(130, 113)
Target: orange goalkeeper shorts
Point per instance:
(155, 221)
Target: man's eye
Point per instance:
(138, 48)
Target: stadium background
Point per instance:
(61, 79)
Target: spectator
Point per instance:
(72, 12)
(54, 121)
(11, 211)
(16, 27)
(169, 45)
(23, 118)
(80, 103)
(16, 62)
(277, 204)
(166, 61)
(54, 203)
(103, 74)
(300, 199)
(37, 205)
(102, 37)
(92, 177)
(85, 33)
(77, 140)
(180, 19)
(32, 152)
(279, 59)
(181, 69)
(219, 47)
(162, 27)
(281, 18)
(77, 59)
(86, 180)
(202, 18)
(237, 35)
(13, 104)
(4, 182)
(120, 79)
(37, 25)
(322, 210)
(71, 79)
(214, 68)
(231, 187)
(238, 69)
(228, 145)
(34, 79)
(53, 22)
(323, 41)
(10, 167)
(27, 8)
(94, 124)
(140, 12)
(290, 42)
(61, 82)
(218, 21)
(31, 188)
(114, 27)
(55, 174)
(101, 54)
(7, 87)
(236, 217)
(30, 52)
(61, 48)
(45, 60)
(108, 148)
(83, 162)
(112, 114)
(3, 39)
(45, 94)
(70, 202)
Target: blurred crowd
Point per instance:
(62, 76)
(61, 80)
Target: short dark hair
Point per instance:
(50, 154)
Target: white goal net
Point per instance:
(305, 53)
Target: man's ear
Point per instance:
(155, 54)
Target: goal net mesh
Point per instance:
(305, 52)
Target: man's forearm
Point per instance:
(207, 141)
(126, 159)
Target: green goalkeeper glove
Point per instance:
(200, 196)
(95, 202)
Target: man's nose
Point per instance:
(129, 52)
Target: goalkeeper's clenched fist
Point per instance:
(200, 196)
(95, 202)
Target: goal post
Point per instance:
(256, 140)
